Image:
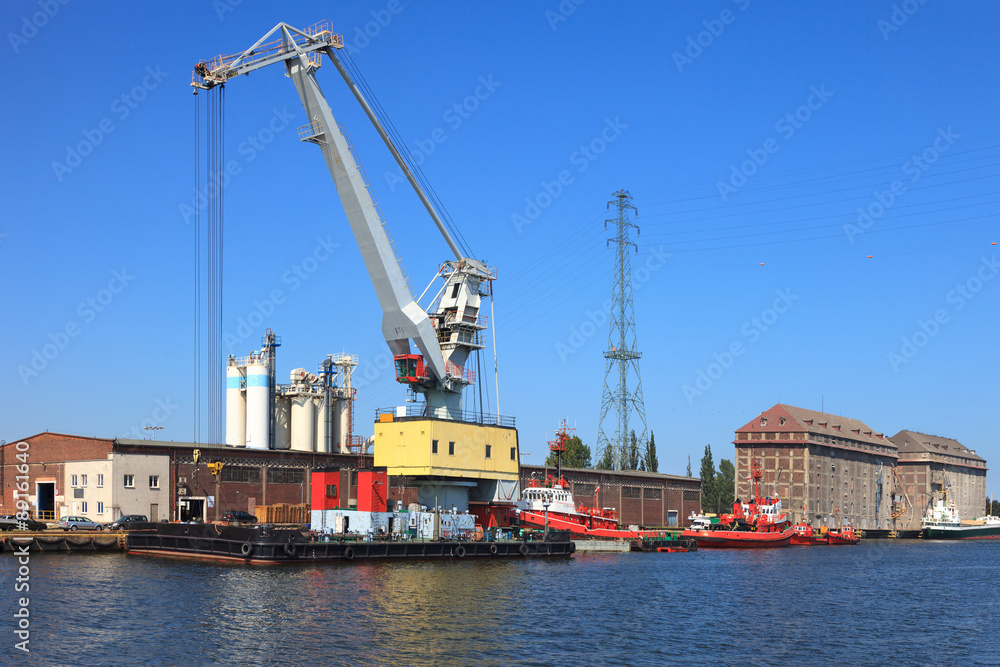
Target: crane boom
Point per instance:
(444, 337)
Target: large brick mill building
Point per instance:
(930, 465)
(821, 462)
(824, 462)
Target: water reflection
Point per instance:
(718, 607)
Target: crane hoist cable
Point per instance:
(406, 153)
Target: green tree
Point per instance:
(725, 486)
(649, 463)
(632, 459)
(577, 454)
(606, 462)
(707, 481)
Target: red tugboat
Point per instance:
(759, 523)
(805, 536)
(845, 535)
(549, 503)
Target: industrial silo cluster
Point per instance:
(313, 413)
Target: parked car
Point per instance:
(126, 521)
(11, 522)
(239, 517)
(79, 523)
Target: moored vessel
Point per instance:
(942, 522)
(759, 523)
(265, 545)
(549, 504)
(804, 535)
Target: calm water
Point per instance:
(882, 602)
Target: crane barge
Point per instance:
(455, 457)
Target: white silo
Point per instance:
(258, 422)
(236, 407)
(282, 422)
(343, 418)
(337, 433)
(322, 423)
(303, 423)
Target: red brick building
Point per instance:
(819, 461)
(105, 479)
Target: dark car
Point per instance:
(239, 517)
(11, 522)
(125, 522)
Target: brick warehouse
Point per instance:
(822, 462)
(929, 465)
(104, 478)
(647, 499)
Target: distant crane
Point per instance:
(449, 331)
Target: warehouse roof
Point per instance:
(912, 442)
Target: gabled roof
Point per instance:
(790, 418)
(911, 442)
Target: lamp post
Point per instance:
(545, 535)
(154, 429)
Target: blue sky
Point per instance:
(817, 189)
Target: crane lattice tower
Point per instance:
(622, 355)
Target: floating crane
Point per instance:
(448, 334)
(478, 460)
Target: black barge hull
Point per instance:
(263, 545)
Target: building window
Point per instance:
(652, 494)
(331, 490)
(129, 481)
(100, 480)
(73, 481)
(154, 481)
(488, 448)
(83, 507)
(434, 446)
(451, 449)
(100, 507)
(763, 421)
(285, 475)
(83, 480)
(240, 474)
(78, 493)
(671, 517)
(631, 492)
(513, 453)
